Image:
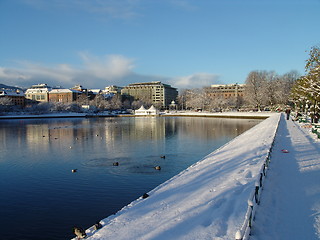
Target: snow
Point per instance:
(209, 200)
(290, 201)
(230, 114)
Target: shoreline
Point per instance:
(240, 115)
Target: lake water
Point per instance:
(42, 199)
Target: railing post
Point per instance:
(261, 177)
(250, 204)
(256, 193)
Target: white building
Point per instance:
(39, 93)
(142, 111)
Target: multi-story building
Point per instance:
(64, 95)
(16, 97)
(89, 93)
(225, 91)
(79, 87)
(152, 92)
(38, 93)
(113, 89)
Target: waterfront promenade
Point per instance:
(290, 201)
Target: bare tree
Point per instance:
(99, 102)
(195, 99)
(182, 99)
(5, 101)
(115, 102)
(256, 88)
(6, 104)
(83, 99)
(136, 104)
(219, 103)
(286, 83)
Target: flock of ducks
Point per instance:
(117, 164)
(80, 232)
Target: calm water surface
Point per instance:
(42, 199)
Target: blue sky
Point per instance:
(185, 43)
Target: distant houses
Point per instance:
(64, 95)
(153, 92)
(158, 94)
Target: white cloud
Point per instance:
(11, 74)
(94, 72)
(107, 67)
(196, 80)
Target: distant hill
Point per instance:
(3, 86)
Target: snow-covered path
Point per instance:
(206, 201)
(290, 201)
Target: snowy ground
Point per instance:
(208, 200)
(264, 114)
(290, 201)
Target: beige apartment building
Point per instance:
(39, 93)
(225, 91)
(153, 92)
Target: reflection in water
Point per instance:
(39, 135)
(41, 195)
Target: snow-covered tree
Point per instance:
(194, 99)
(286, 83)
(306, 91)
(5, 101)
(6, 104)
(267, 88)
(255, 88)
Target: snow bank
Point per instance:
(221, 114)
(208, 200)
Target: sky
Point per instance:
(184, 43)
